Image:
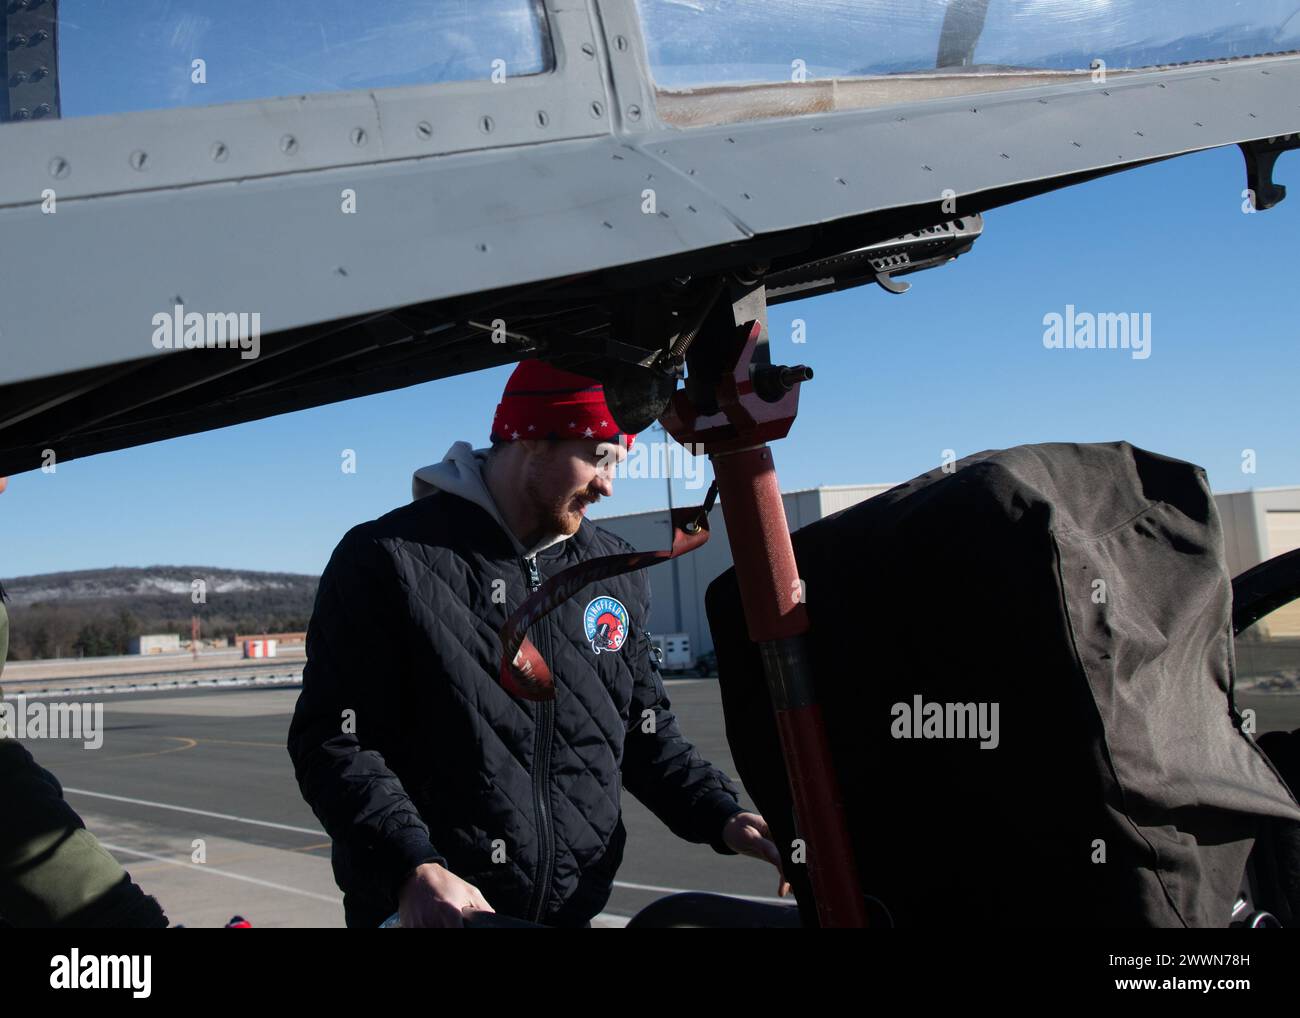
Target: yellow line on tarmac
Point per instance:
(190, 744)
(236, 742)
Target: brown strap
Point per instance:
(523, 672)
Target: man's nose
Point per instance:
(604, 483)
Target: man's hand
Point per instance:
(435, 897)
(747, 834)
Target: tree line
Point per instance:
(58, 628)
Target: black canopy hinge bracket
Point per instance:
(1261, 156)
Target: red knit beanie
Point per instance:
(541, 401)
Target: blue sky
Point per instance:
(957, 363)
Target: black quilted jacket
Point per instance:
(409, 751)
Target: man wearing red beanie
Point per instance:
(551, 431)
(441, 791)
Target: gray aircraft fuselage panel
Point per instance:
(491, 212)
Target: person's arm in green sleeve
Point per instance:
(52, 870)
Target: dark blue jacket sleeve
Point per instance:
(354, 662)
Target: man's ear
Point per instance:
(532, 447)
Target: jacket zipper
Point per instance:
(541, 778)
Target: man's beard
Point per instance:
(556, 515)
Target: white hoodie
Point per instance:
(461, 473)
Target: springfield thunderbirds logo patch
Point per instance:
(605, 623)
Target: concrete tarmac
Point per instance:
(193, 792)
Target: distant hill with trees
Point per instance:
(96, 612)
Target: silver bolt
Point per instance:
(288, 144)
(597, 109)
(358, 136)
(424, 129)
(634, 112)
(59, 167)
(138, 160)
(219, 152)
